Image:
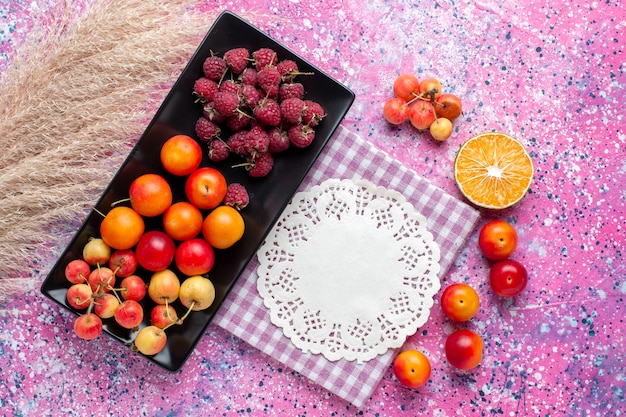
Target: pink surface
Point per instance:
(551, 75)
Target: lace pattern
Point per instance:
(349, 270)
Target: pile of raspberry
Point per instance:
(256, 100)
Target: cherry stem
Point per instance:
(419, 97)
(91, 304)
(426, 96)
(123, 200)
(193, 303)
(189, 310)
(102, 284)
(115, 290)
(414, 99)
(92, 297)
(99, 212)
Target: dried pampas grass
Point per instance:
(79, 94)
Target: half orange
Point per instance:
(493, 170)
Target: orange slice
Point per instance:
(493, 170)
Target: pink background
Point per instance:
(552, 76)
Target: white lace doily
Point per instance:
(349, 270)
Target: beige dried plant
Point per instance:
(78, 95)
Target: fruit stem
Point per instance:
(99, 212)
(416, 98)
(243, 164)
(193, 303)
(168, 315)
(243, 113)
(91, 304)
(219, 83)
(115, 290)
(296, 73)
(102, 284)
(123, 200)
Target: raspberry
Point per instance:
(236, 143)
(301, 135)
(204, 89)
(208, 111)
(236, 196)
(269, 80)
(262, 165)
(264, 57)
(254, 123)
(206, 129)
(230, 85)
(237, 59)
(214, 68)
(271, 91)
(257, 141)
(287, 69)
(289, 90)
(268, 75)
(226, 102)
(260, 104)
(279, 140)
(267, 112)
(291, 110)
(250, 96)
(238, 121)
(248, 76)
(218, 150)
(313, 113)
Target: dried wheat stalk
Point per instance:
(79, 94)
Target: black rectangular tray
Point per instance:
(268, 196)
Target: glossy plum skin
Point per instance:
(155, 250)
(205, 188)
(508, 278)
(497, 240)
(412, 368)
(459, 302)
(464, 349)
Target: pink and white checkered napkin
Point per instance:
(347, 156)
